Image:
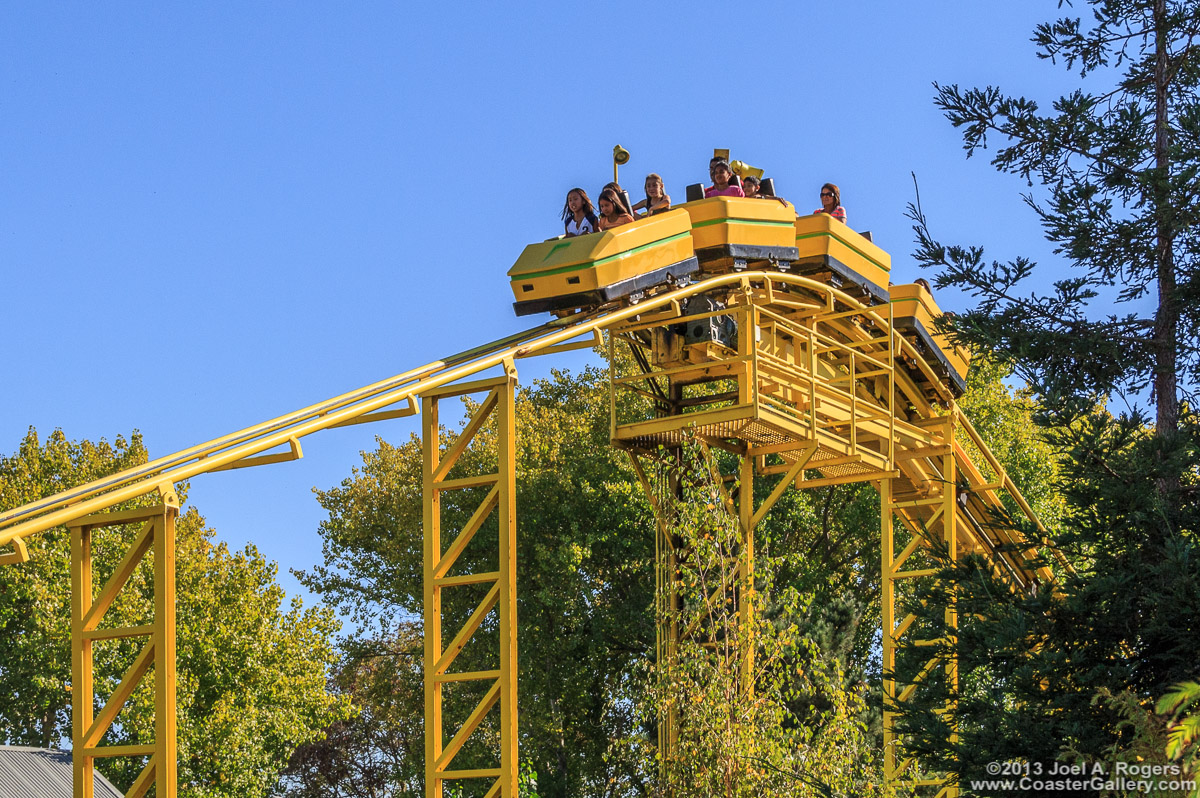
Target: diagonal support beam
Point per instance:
(467, 435)
(784, 483)
(907, 692)
(908, 552)
(468, 532)
(145, 779)
(294, 452)
(133, 677)
(464, 634)
(469, 727)
(19, 554)
(120, 576)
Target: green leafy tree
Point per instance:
(791, 728)
(251, 667)
(378, 752)
(1182, 706)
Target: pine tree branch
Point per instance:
(979, 108)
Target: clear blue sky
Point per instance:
(214, 213)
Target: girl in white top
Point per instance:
(578, 214)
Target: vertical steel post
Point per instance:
(166, 761)
(950, 532)
(439, 562)
(81, 661)
(432, 523)
(507, 467)
(888, 600)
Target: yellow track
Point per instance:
(353, 407)
(941, 462)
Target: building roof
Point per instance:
(42, 773)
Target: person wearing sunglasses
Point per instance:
(831, 202)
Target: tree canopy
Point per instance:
(252, 666)
(1119, 164)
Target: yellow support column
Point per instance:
(886, 530)
(950, 532)
(165, 759)
(746, 570)
(157, 534)
(81, 660)
(439, 561)
(506, 421)
(432, 522)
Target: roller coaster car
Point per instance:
(594, 269)
(831, 252)
(739, 232)
(914, 313)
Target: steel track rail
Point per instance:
(64, 507)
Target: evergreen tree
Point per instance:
(1073, 674)
(1120, 168)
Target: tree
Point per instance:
(251, 671)
(1054, 676)
(792, 728)
(1182, 705)
(585, 582)
(379, 751)
(1120, 168)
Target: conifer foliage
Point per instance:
(1119, 164)
(1073, 674)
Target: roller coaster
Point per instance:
(775, 338)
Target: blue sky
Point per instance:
(214, 213)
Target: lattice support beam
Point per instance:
(156, 538)
(497, 407)
(924, 519)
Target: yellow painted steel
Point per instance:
(817, 381)
(825, 385)
(499, 501)
(156, 537)
(589, 262)
(719, 221)
(820, 236)
(914, 301)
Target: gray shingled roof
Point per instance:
(41, 773)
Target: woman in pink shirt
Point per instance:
(721, 174)
(831, 202)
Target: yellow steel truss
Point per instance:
(440, 576)
(157, 538)
(817, 390)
